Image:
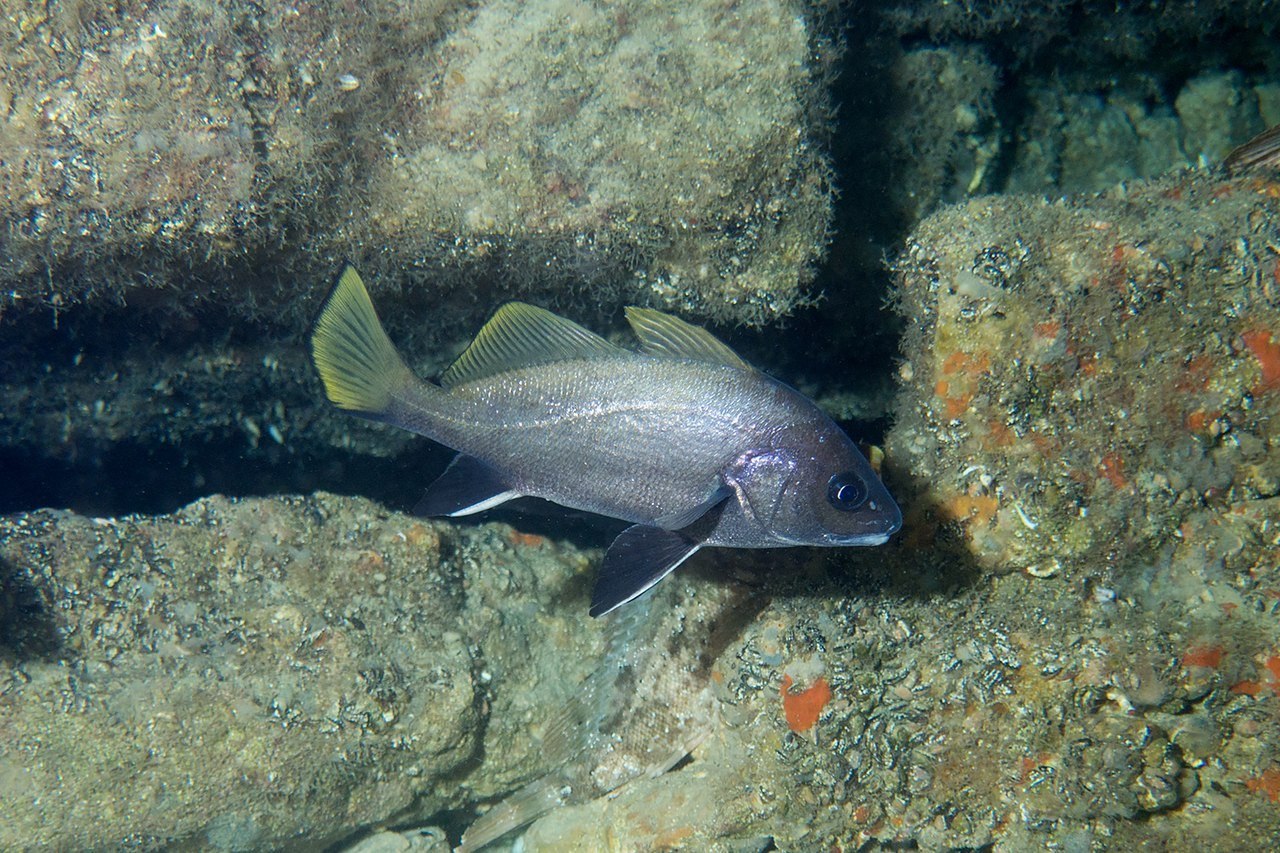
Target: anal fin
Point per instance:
(467, 486)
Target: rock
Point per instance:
(1218, 111)
(492, 149)
(1088, 375)
(161, 201)
(243, 672)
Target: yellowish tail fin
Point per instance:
(358, 364)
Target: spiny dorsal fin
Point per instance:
(664, 335)
(522, 335)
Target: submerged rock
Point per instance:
(1073, 641)
(265, 673)
(1085, 377)
(476, 150)
(182, 181)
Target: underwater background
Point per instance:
(995, 238)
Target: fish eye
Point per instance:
(847, 491)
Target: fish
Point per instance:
(1262, 151)
(681, 438)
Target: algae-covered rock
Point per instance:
(1090, 396)
(1083, 376)
(1074, 141)
(891, 699)
(946, 132)
(477, 151)
(265, 673)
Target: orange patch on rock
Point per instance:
(526, 540)
(1267, 783)
(1270, 680)
(1028, 763)
(967, 363)
(369, 561)
(1195, 376)
(1044, 444)
(673, 839)
(979, 507)
(1273, 666)
(1267, 351)
(957, 393)
(957, 406)
(419, 535)
(1205, 656)
(1111, 469)
(1199, 419)
(1048, 329)
(803, 709)
(998, 435)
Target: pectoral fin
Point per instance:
(639, 558)
(644, 554)
(466, 486)
(706, 512)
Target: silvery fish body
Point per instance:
(683, 439)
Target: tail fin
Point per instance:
(358, 364)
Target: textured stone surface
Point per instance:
(1084, 377)
(1072, 642)
(500, 148)
(262, 673)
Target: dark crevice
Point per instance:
(150, 479)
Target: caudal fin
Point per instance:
(358, 364)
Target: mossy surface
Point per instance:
(267, 673)
(658, 153)
(1085, 376)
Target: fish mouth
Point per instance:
(878, 535)
(840, 539)
(868, 539)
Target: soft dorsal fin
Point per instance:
(522, 335)
(664, 335)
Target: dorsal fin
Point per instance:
(521, 335)
(664, 335)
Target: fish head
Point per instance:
(815, 488)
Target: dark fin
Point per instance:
(639, 558)
(521, 335)
(1262, 150)
(644, 554)
(357, 362)
(466, 486)
(664, 335)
